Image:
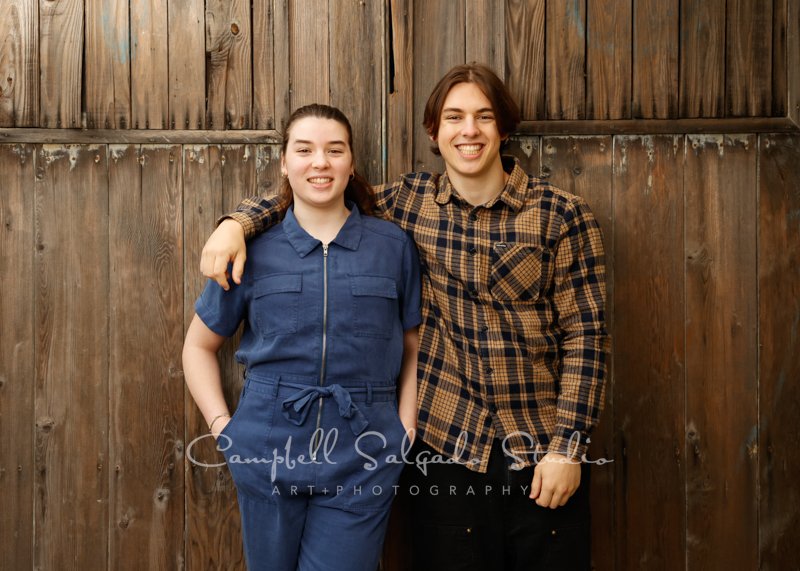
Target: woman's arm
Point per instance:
(407, 385)
(201, 371)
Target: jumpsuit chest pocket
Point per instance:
(276, 303)
(375, 309)
(518, 273)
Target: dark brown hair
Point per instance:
(506, 110)
(358, 189)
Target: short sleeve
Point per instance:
(412, 286)
(222, 311)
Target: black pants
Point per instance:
(464, 520)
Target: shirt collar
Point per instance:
(349, 235)
(513, 194)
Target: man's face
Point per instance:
(468, 137)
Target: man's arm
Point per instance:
(580, 305)
(253, 216)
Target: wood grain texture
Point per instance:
(16, 357)
(400, 87)
(721, 352)
(748, 66)
(439, 29)
(71, 361)
(229, 64)
(655, 59)
(778, 357)
(61, 72)
(263, 64)
(19, 63)
(565, 64)
(187, 73)
(702, 62)
(485, 35)
(584, 167)
(107, 76)
(149, 64)
(608, 59)
(649, 354)
(527, 148)
(268, 170)
(781, 56)
(146, 496)
(309, 52)
(793, 62)
(283, 82)
(525, 56)
(357, 83)
(216, 179)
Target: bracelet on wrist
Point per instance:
(215, 419)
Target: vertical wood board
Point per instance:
(16, 357)
(565, 60)
(655, 59)
(608, 59)
(146, 393)
(19, 63)
(525, 56)
(61, 71)
(649, 355)
(721, 352)
(71, 361)
(149, 63)
(107, 100)
(187, 86)
(702, 64)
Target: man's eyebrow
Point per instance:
(456, 110)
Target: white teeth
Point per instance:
(320, 180)
(469, 149)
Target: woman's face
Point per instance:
(318, 162)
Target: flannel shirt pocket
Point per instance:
(517, 272)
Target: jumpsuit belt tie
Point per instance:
(297, 406)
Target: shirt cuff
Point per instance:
(570, 443)
(243, 219)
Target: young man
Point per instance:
(512, 344)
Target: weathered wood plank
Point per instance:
(70, 284)
(721, 352)
(781, 56)
(16, 358)
(357, 63)
(283, 81)
(400, 101)
(584, 166)
(268, 170)
(19, 63)
(309, 52)
(793, 62)
(61, 49)
(215, 181)
(608, 59)
(146, 441)
(230, 86)
(485, 35)
(649, 354)
(149, 62)
(655, 59)
(438, 41)
(187, 65)
(702, 65)
(565, 66)
(264, 64)
(525, 57)
(779, 359)
(528, 150)
(748, 66)
(107, 70)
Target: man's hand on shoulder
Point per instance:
(555, 479)
(225, 245)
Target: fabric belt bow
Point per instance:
(297, 406)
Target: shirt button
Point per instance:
(473, 293)
(493, 408)
(473, 250)
(473, 217)
(488, 370)
(484, 328)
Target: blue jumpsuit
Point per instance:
(314, 446)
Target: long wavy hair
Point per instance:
(358, 189)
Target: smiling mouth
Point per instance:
(469, 150)
(320, 180)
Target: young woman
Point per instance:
(330, 302)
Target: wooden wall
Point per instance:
(126, 128)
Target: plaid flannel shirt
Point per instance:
(512, 341)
